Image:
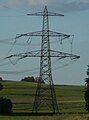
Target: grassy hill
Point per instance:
(70, 98)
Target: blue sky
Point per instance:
(13, 20)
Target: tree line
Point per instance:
(32, 79)
(29, 79)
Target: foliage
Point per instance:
(5, 106)
(1, 86)
(86, 95)
(28, 79)
(87, 83)
(32, 79)
(1, 79)
(38, 79)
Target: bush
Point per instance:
(87, 100)
(28, 79)
(32, 79)
(86, 95)
(38, 79)
(1, 79)
(1, 86)
(5, 106)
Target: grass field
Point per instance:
(62, 117)
(70, 101)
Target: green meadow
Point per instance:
(70, 101)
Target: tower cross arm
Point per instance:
(62, 55)
(36, 14)
(54, 14)
(58, 54)
(45, 12)
(42, 14)
(40, 33)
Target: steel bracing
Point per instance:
(45, 97)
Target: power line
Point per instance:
(36, 69)
(63, 65)
(45, 96)
(8, 41)
(12, 47)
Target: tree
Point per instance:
(1, 79)
(32, 79)
(86, 95)
(1, 86)
(37, 79)
(28, 79)
(5, 106)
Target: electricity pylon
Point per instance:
(45, 98)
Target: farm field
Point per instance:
(61, 117)
(70, 101)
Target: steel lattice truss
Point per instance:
(45, 98)
(53, 53)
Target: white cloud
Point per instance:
(39, 2)
(79, 1)
(71, 5)
(62, 5)
(13, 2)
(84, 1)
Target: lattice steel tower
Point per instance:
(45, 98)
(45, 95)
